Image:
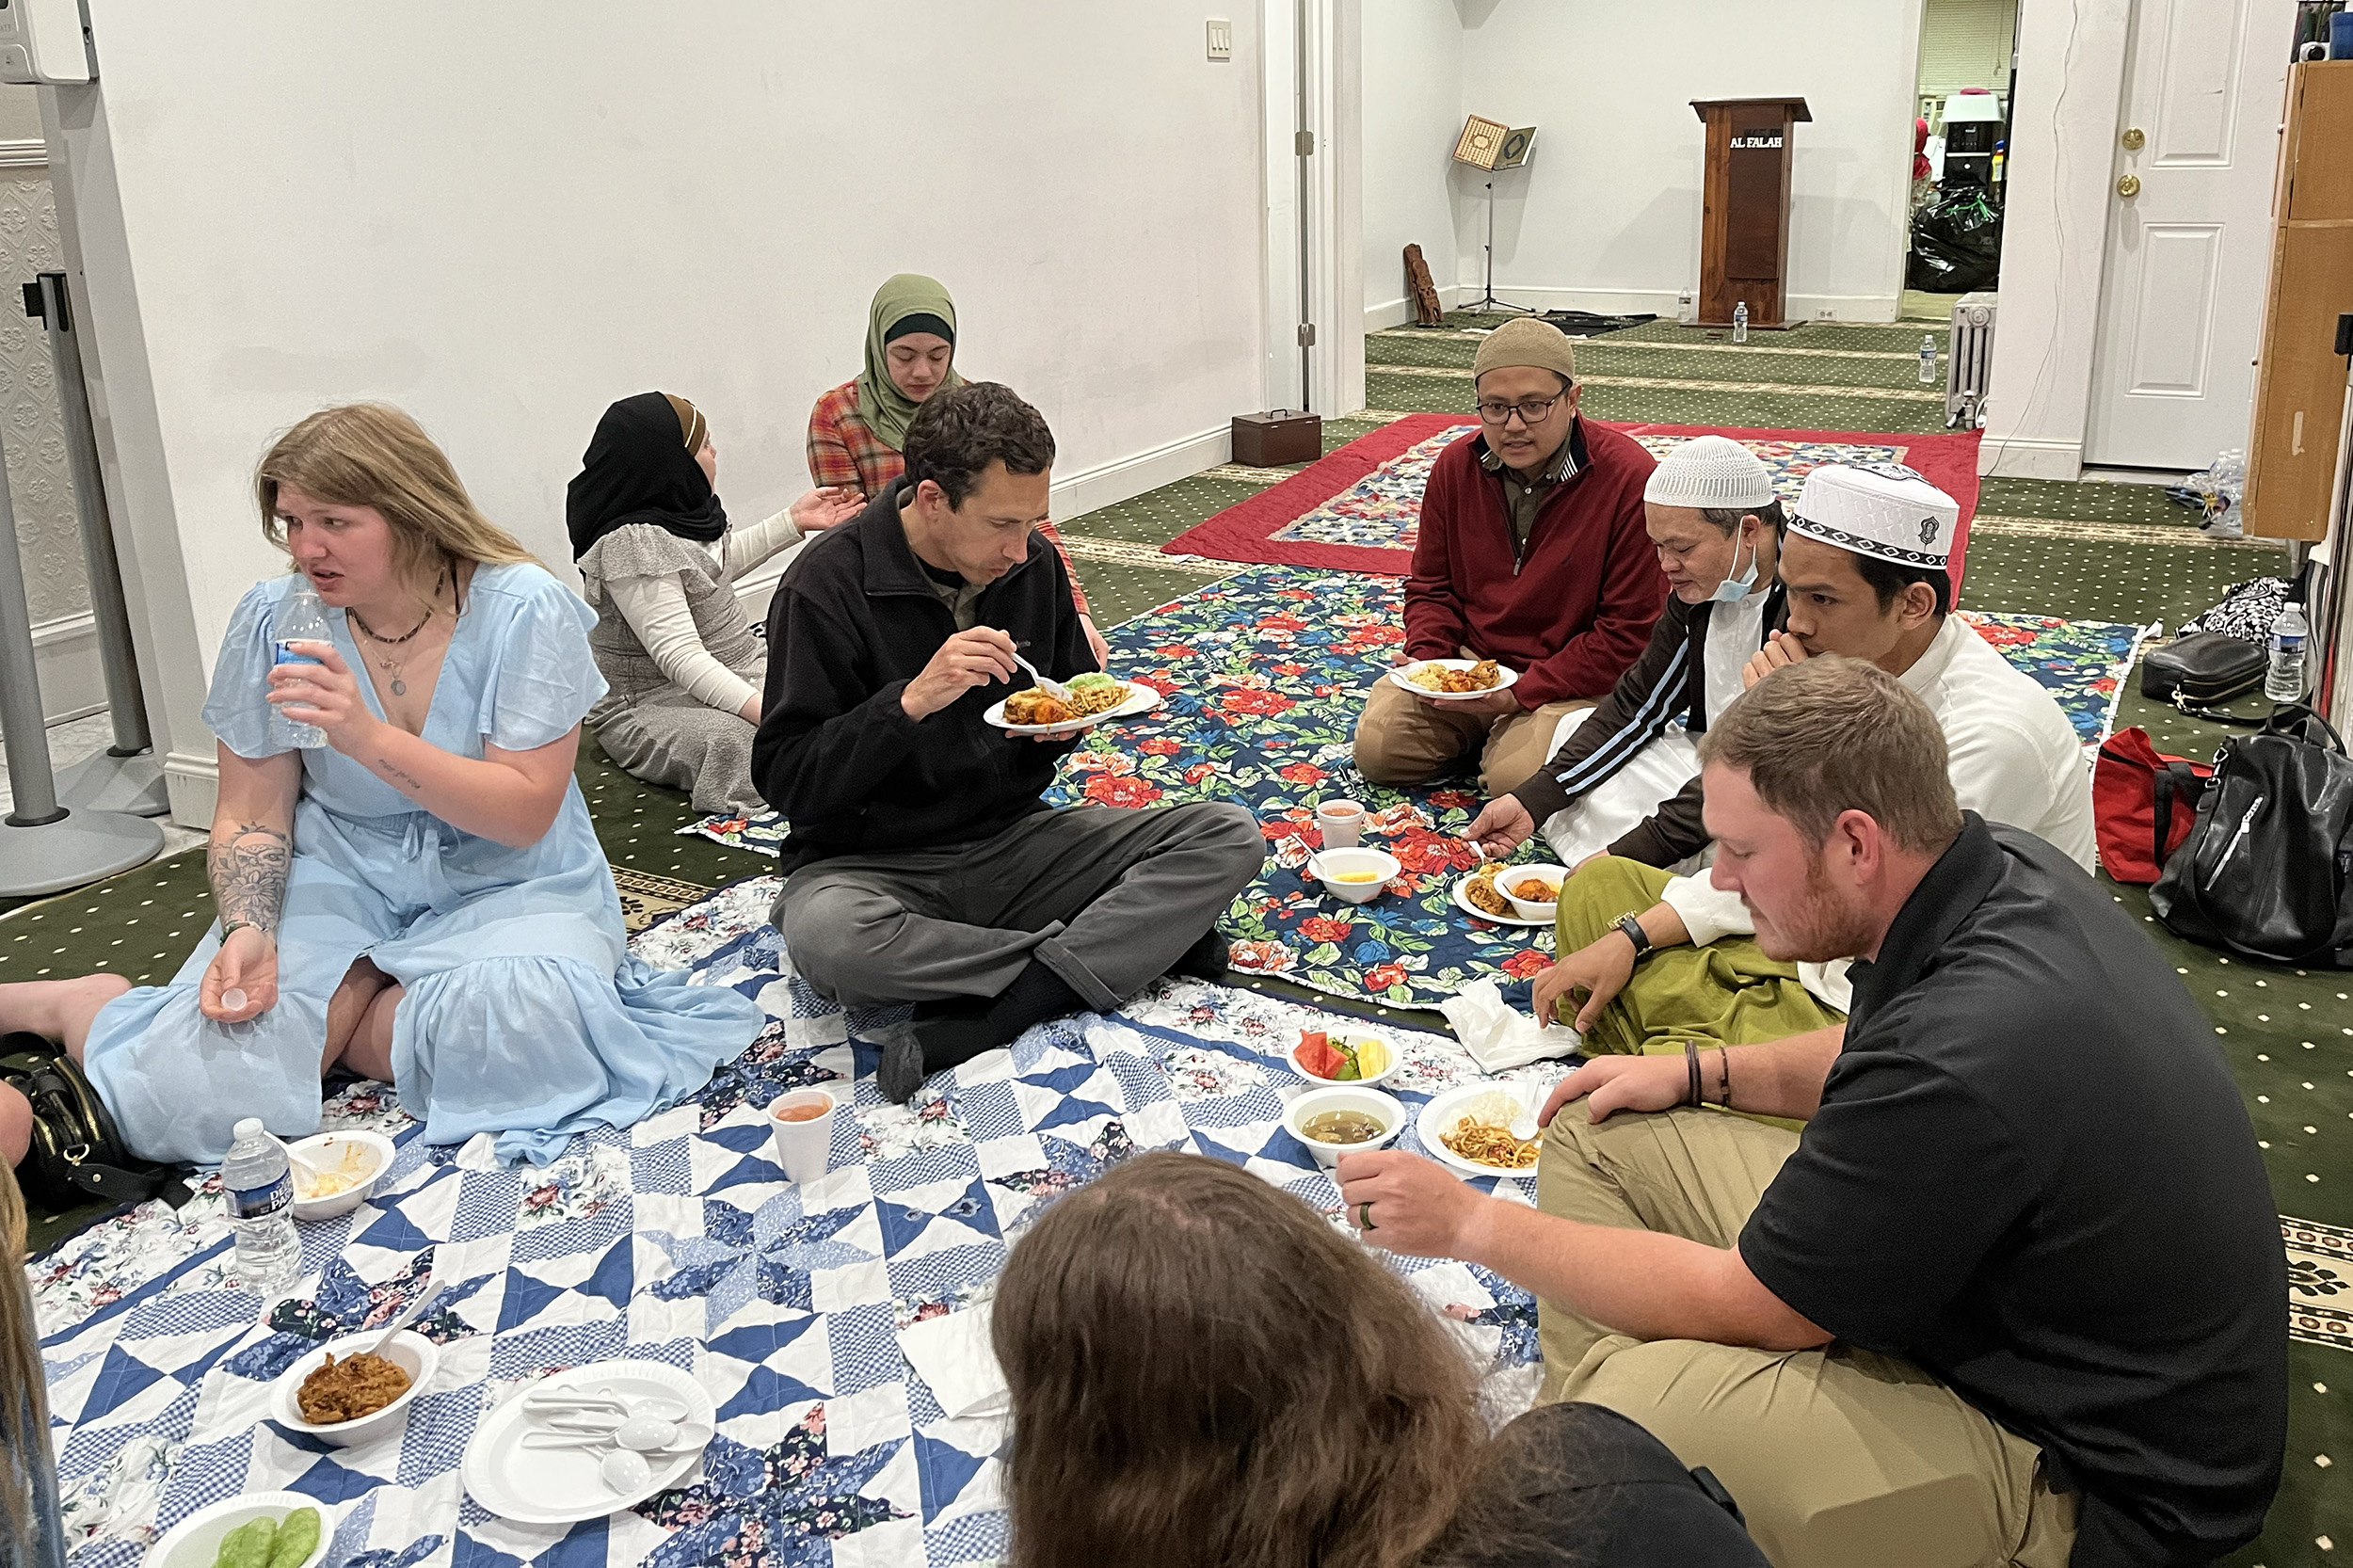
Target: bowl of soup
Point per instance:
(1353, 875)
(1338, 1121)
(1533, 890)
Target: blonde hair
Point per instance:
(23, 1419)
(1832, 735)
(374, 454)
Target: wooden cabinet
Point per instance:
(1744, 217)
(2299, 380)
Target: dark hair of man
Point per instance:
(1205, 1374)
(1887, 580)
(1833, 735)
(1727, 519)
(960, 430)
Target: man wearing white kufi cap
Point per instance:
(1862, 562)
(1624, 776)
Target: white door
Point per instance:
(2181, 306)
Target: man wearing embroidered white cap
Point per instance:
(1862, 564)
(1624, 778)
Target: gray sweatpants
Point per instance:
(1107, 898)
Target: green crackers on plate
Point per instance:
(286, 1543)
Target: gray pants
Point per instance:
(1106, 898)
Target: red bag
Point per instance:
(2143, 804)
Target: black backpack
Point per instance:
(2268, 869)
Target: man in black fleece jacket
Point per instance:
(922, 867)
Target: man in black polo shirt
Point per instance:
(2014, 1295)
(922, 867)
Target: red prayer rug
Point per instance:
(1356, 509)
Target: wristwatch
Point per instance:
(1632, 927)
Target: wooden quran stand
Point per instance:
(1427, 311)
(1744, 224)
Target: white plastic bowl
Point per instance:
(1381, 1107)
(328, 1149)
(1529, 908)
(194, 1541)
(1349, 1038)
(1323, 863)
(410, 1351)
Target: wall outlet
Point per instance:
(1826, 315)
(1221, 39)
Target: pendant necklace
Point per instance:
(390, 667)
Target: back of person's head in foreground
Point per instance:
(372, 456)
(1828, 795)
(24, 1413)
(1206, 1372)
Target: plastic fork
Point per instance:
(1054, 689)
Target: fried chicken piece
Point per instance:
(1479, 677)
(342, 1391)
(1032, 705)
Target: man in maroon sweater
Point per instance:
(1532, 554)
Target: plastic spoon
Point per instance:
(414, 1310)
(1054, 689)
(625, 1470)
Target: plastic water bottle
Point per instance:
(1740, 322)
(260, 1188)
(1928, 358)
(2284, 680)
(299, 617)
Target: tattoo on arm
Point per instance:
(248, 869)
(394, 772)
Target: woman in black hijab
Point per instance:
(659, 564)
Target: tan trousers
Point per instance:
(1402, 740)
(1839, 1457)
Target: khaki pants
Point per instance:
(1402, 740)
(1839, 1457)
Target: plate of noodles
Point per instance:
(1478, 895)
(1485, 1128)
(1094, 697)
(1454, 679)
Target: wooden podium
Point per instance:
(1744, 224)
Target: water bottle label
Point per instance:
(260, 1203)
(2287, 642)
(283, 653)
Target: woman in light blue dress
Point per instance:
(422, 898)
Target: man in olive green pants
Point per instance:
(1726, 992)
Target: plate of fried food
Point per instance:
(1453, 679)
(1094, 697)
(1485, 1128)
(1478, 895)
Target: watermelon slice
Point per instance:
(1317, 1055)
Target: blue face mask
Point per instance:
(1732, 590)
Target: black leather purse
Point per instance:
(2203, 667)
(77, 1153)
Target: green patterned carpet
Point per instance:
(2101, 551)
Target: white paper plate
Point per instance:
(1462, 901)
(1441, 1114)
(1141, 699)
(562, 1486)
(1507, 678)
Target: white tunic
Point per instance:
(2013, 758)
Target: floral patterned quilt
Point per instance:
(680, 1240)
(1261, 677)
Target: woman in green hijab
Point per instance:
(857, 430)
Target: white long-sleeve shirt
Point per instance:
(657, 611)
(2013, 757)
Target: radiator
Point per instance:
(1969, 360)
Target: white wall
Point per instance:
(1607, 215)
(504, 217)
(1413, 75)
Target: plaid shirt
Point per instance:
(844, 450)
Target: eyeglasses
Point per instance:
(1532, 410)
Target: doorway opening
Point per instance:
(1967, 72)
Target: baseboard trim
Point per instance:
(1667, 303)
(2028, 457)
(1397, 313)
(192, 781)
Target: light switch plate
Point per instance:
(1221, 39)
